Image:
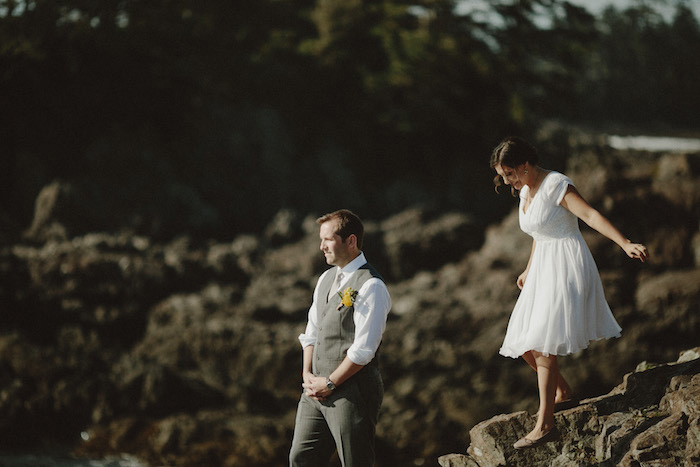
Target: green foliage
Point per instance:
(647, 69)
(374, 105)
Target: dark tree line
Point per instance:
(206, 117)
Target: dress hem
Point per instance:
(512, 354)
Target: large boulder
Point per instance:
(419, 240)
(652, 417)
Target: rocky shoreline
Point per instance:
(651, 418)
(186, 352)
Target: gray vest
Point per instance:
(336, 328)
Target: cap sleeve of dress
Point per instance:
(557, 186)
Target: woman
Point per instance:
(561, 307)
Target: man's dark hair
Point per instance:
(348, 224)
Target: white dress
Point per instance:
(562, 306)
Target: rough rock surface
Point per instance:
(652, 418)
(186, 352)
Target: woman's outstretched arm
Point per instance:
(575, 203)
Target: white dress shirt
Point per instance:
(371, 310)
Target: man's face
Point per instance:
(336, 251)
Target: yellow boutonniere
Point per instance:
(347, 297)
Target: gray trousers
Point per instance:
(346, 421)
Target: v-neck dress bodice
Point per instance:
(562, 306)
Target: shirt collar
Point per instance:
(355, 264)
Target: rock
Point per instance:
(226, 264)
(184, 352)
(487, 436)
(457, 460)
(661, 299)
(651, 418)
(156, 390)
(417, 240)
(285, 227)
(247, 249)
(56, 213)
(217, 438)
(676, 179)
(695, 246)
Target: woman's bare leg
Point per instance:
(547, 371)
(564, 391)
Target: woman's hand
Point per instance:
(636, 251)
(521, 279)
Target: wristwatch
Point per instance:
(330, 385)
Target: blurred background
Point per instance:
(207, 118)
(162, 162)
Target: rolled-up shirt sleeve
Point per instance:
(311, 332)
(371, 310)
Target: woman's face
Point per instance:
(510, 175)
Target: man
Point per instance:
(342, 387)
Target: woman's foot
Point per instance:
(534, 439)
(563, 395)
(565, 400)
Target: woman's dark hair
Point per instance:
(512, 152)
